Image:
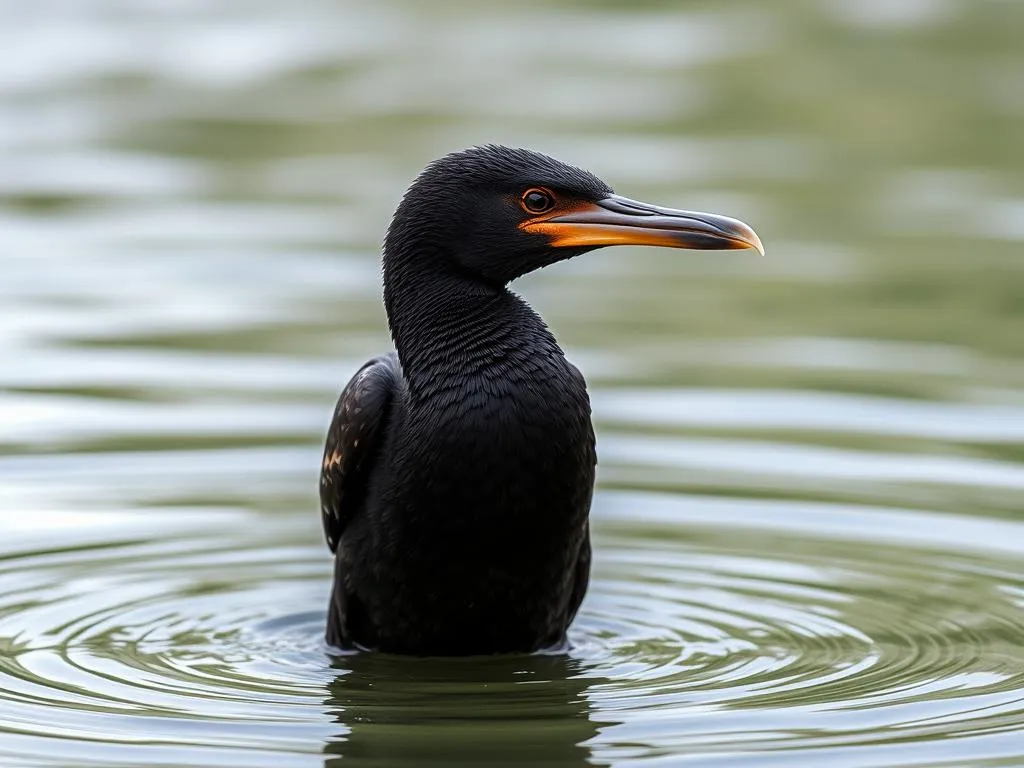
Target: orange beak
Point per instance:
(616, 220)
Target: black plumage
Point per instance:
(458, 471)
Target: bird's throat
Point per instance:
(447, 328)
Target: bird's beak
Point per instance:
(616, 220)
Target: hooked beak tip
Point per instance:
(754, 242)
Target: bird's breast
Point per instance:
(511, 444)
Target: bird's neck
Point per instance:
(448, 328)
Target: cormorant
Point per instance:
(458, 470)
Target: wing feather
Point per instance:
(352, 442)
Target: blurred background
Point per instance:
(809, 518)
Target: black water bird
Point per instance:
(458, 471)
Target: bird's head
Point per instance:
(494, 213)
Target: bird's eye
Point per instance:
(538, 200)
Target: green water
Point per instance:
(810, 516)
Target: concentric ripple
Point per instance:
(695, 640)
(775, 641)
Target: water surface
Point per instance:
(809, 529)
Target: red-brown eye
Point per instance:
(538, 200)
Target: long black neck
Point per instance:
(449, 327)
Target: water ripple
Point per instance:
(695, 637)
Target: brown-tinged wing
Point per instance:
(352, 441)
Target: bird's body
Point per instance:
(458, 471)
(484, 548)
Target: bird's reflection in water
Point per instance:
(484, 711)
